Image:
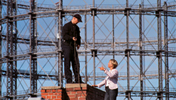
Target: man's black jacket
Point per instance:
(69, 31)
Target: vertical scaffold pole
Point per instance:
(59, 44)
(86, 79)
(141, 53)
(93, 14)
(166, 52)
(159, 54)
(113, 37)
(0, 48)
(33, 49)
(127, 12)
(11, 41)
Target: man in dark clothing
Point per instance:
(70, 40)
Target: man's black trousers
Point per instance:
(70, 55)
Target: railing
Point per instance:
(41, 7)
(121, 74)
(108, 49)
(117, 40)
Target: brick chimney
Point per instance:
(72, 92)
(53, 93)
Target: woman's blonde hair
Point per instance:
(114, 63)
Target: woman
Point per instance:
(110, 81)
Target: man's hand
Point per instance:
(74, 39)
(78, 46)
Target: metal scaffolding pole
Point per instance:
(15, 32)
(127, 13)
(113, 37)
(59, 44)
(85, 46)
(159, 54)
(0, 49)
(166, 52)
(141, 53)
(11, 50)
(33, 49)
(93, 15)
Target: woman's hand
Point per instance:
(94, 85)
(102, 68)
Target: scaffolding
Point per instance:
(140, 34)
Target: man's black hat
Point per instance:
(78, 17)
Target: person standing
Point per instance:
(70, 41)
(110, 81)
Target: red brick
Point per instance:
(55, 93)
(42, 90)
(77, 88)
(44, 94)
(59, 97)
(53, 97)
(59, 90)
(82, 98)
(53, 90)
(69, 89)
(80, 95)
(48, 97)
(72, 96)
(71, 92)
(50, 94)
(58, 93)
(81, 92)
(84, 95)
(84, 88)
(48, 91)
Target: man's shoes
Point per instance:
(74, 82)
(69, 81)
(79, 82)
